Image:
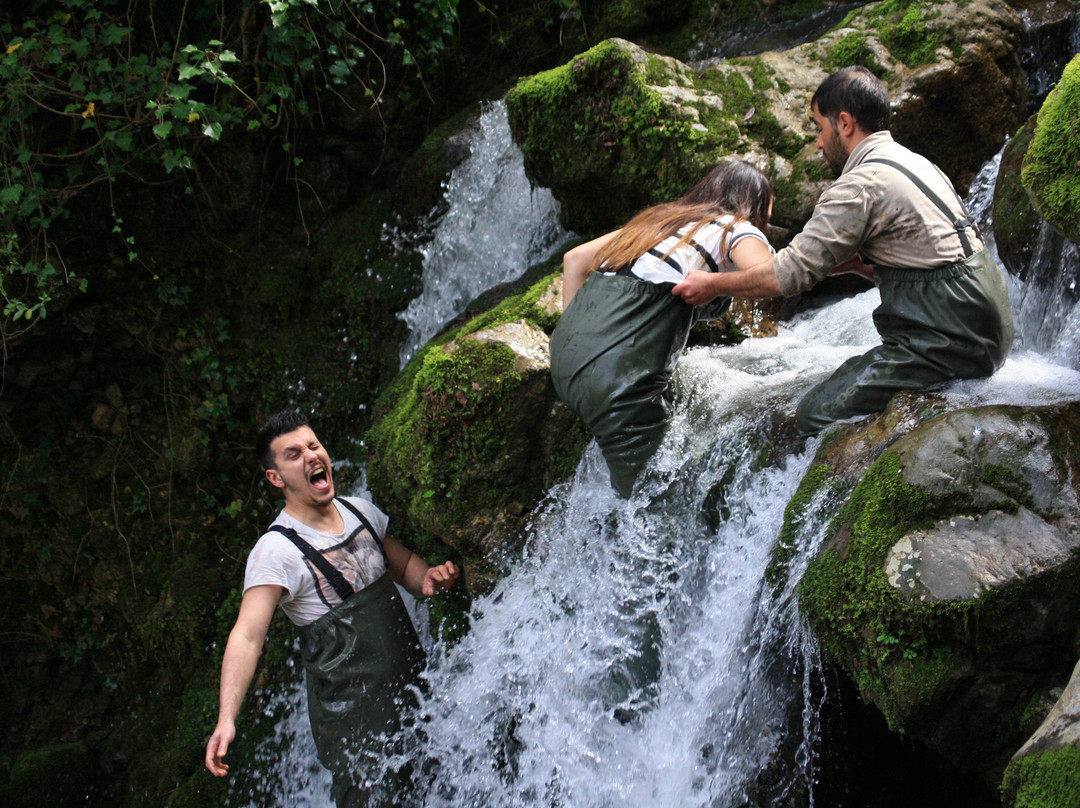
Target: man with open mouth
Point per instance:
(328, 562)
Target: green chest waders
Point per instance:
(612, 356)
(363, 662)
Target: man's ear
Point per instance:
(845, 124)
(275, 478)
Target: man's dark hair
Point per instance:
(858, 92)
(279, 423)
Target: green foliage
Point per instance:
(92, 91)
(1051, 167)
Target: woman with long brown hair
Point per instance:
(622, 330)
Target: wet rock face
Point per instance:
(948, 585)
(995, 457)
(962, 557)
(618, 128)
(996, 461)
(959, 109)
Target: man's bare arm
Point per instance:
(238, 667)
(413, 573)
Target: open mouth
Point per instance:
(319, 478)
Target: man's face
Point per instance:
(301, 468)
(829, 142)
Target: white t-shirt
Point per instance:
(715, 238)
(308, 595)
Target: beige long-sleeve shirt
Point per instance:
(875, 211)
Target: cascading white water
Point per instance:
(633, 656)
(495, 226)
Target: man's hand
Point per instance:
(697, 288)
(439, 579)
(216, 748)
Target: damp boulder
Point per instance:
(471, 435)
(1051, 167)
(619, 128)
(1046, 770)
(1031, 235)
(948, 581)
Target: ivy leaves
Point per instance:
(92, 91)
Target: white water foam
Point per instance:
(495, 227)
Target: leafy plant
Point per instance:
(92, 91)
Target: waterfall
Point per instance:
(1044, 366)
(633, 655)
(494, 227)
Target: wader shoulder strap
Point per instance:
(329, 571)
(960, 224)
(367, 525)
(695, 245)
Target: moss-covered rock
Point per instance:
(947, 582)
(1029, 247)
(953, 71)
(1016, 222)
(605, 140)
(1051, 169)
(471, 435)
(1048, 779)
(59, 775)
(1045, 772)
(618, 128)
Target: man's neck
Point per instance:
(325, 518)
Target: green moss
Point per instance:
(907, 34)
(657, 71)
(745, 113)
(1043, 780)
(865, 623)
(1051, 167)
(818, 479)
(606, 142)
(903, 27)
(453, 431)
(762, 76)
(851, 49)
(59, 775)
(1009, 482)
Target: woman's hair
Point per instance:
(735, 188)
